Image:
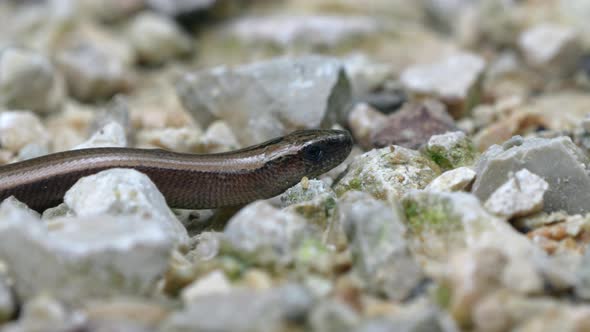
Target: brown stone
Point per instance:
(414, 124)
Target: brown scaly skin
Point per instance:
(190, 181)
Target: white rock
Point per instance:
(457, 179)
(521, 195)
(264, 232)
(28, 80)
(263, 100)
(388, 173)
(183, 139)
(83, 257)
(111, 135)
(45, 313)
(157, 38)
(21, 128)
(218, 138)
(92, 72)
(213, 283)
(363, 121)
(451, 78)
(123, 192)
(551, 48)
(8, 305)
(312, 30)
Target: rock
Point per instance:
(8, 304)
(442, 224)
(21, 130)
(180, 7)
(451, 150)
(126, 192)
(282, 94)
(315, 201)
(157, 38)
(98, 256)
(582, 287)
(379, 251)
(553, 49)
(29, 81)
(92, 73)
(333, 316)
(520, 196)
(388, 173)
(126, 313)
(111, 135)
(363, 121)
(558, 161)
(367, 76)
(413, 125)
(420, 317)
(213, 283)
(243, 310)
(458, 179)
(307, 31)
(454, 79)
(45, 313)
(218, 138)
(264, 234)
(183, 139)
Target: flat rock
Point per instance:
(388, 173)
(413, 125)
(521, 195)
(80, 258)
(453, 79)
(558, 161)
(29, 81)
(123, 192)
(267, 99)
(379, 250)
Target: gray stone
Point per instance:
(388, 173)
(380, 253)
(551, 48)
(8, 305)
(520, 196)
(417, 318)
(157, 38)
(243, 311)
(45, 313)
(264, 234)
(333, 316)
(558, 161)
(363, 121)
(79, 258)
(92, 73)
(28, 80)
(268, 99)
(453, 79)
(123, 192)
(582, 287)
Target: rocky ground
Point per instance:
(464, 206)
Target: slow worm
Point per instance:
(191, 181)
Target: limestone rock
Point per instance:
(451, 150)
(558, 161)
(119, 192)
(267, 99)
(521, 195)
(457, 179)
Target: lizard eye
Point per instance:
(313, 153)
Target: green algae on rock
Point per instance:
(388, 173)
(451, 150)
